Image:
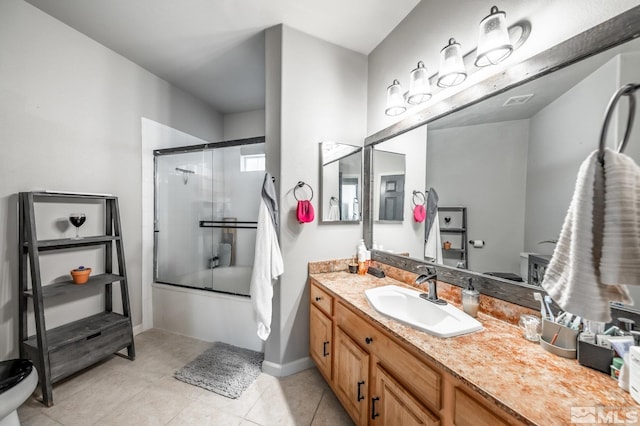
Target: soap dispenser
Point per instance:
(470, 299)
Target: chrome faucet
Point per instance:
(431, 278)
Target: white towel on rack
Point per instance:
(433, 245)
(620, 263)
(433, 240)
(267, 262)
(334, 213)
(601, 224)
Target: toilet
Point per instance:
(18, 380)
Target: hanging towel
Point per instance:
(334, 213)
(419, 213)
(620, 263)
(269, 198)
(304, 211)
(592, 236)
(267, 263)
(433, 242)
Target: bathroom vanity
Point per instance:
(384, 372)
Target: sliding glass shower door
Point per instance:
(206, 211)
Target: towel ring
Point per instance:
(420, 195)
(301, 184)
(626, 90)
(333, 201)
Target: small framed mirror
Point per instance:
(340, 183)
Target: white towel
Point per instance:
(267, 265)
(334, 213)
(620, 263)
(433, 245)
(592, 236)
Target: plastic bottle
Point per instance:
(362, 262)
(470, 299)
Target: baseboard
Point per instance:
(138, 329)
(282, 370)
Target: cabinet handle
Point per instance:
(373, 407)
(318, 298)
(360, 396)
(368, 340)
(324, 349)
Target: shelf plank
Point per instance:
(454, 250)
(69, 286)
(78, 330)
(451, 209)
(66, 243)
(453, 230)
(71, 195)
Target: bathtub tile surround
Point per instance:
(515, 375)
(144, 392)
(500, 309)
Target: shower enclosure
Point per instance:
(206, 208)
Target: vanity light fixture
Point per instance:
(452, 71)
(494, 45)
(395, 99)
(419, 87)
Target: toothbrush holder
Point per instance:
(566, 342)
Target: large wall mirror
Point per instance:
(512, 158)
(341, 182)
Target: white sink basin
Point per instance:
(406, 306)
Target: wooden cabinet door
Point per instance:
(351, 377)
(392, 405)
(320, 346)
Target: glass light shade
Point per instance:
(494, 45)
(452, 71)
(395, 99)
(419, 87)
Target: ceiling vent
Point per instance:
(517, 100)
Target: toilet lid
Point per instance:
(13, 372)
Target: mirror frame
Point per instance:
(321, 205)
(615, 31)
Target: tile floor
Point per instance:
(144, 392)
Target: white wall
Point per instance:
(561, 136)
(70, 119)
(425, 31)
(483, 168)
(244, 125)
(322, 97)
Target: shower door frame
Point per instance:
(183, 150)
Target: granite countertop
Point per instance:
(518, 375)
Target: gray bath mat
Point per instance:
(224, 369)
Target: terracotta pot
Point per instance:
(80, 275)
(446, 245)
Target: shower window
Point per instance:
(206, 208)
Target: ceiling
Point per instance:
(214, 49)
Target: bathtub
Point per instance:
(226, 279)
(224, 314)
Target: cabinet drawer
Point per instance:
(469, 412)
(322, 300)
(77, 355)
(420, 379)
(358, 329)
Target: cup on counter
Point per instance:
(530, 325)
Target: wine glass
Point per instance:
(77, 219)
